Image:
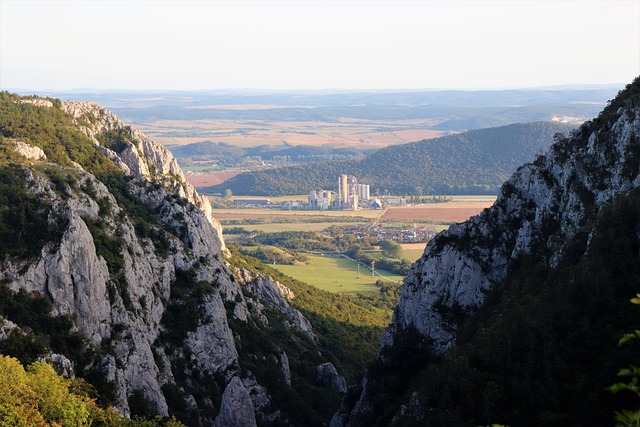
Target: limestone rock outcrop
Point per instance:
(541, 207)
(29, 151)
(274, 295)
(236, 409)
(136, 262)
(557, 190)
(329, 376)
(142, 158)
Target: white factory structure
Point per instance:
(321, 199)
(350, 196)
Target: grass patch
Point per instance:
(412, 255)
(335, 274)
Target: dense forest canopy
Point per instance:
(474, 162)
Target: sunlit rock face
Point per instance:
(543, 205)
(144, 158)
(127, 281)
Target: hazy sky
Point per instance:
(326, 44)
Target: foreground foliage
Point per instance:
(626, 417)
(37, 396)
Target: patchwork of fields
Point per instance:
(438, 213)
(359, 133)
(330, 271)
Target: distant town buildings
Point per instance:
(568, 119)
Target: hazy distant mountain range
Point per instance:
(448, 109)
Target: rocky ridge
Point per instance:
(128, 281)
(144, 158)
(558, 190)
(540, 208)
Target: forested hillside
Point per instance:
(113, 271)
(474, 162)
(230, 156)
(516, 316)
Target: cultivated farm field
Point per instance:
(412, 251)
(441, 215)
(437, 213)
(338, 274)
(274, 220)
(210, 178)
(362, 134)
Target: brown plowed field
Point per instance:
(361, 134)
(436, 212)
(211, 178)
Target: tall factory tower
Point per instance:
(343, 189)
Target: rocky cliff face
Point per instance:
(140, 267)
(541, 208)
(142, 158)
(556, 192)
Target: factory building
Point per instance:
(350, 195)
(363, 191)
(320, 199)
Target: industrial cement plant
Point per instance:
(350, 196)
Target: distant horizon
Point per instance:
(566, 86)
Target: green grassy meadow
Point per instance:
(335, 274)
(412, 254)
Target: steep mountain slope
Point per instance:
(514, 316)
(112, 268)
(473, 162)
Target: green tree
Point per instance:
(419, 191)
(391, 248)
(37, 396)
(629, 418)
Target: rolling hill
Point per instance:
(473, 162)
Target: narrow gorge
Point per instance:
(100, 221)
(514, 316)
